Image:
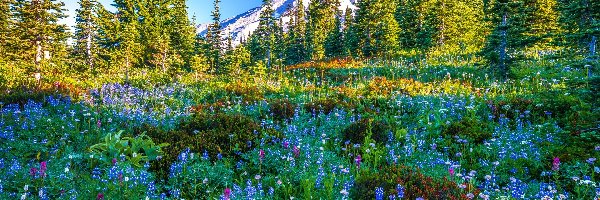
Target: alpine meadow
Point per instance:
(300, 99)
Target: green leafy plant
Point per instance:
(136, 150)
(359, 130)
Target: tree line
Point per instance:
(158, 34)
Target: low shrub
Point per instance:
(359, 130)
(414, 184)
(325, 106)
(282, 109)
(248, 91)
(469, 128)
(219, 133)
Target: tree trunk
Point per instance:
(127, 69)
(593, 46)
(88, 49)
(38, 55)
(164, 57)
(503, 45)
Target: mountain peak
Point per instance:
(242, 25)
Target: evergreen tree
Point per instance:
(411, 22)
(6, 22)
(351, 39)
(296, 39)
(128, 39)
(581, 20)
(279, 38)
(334, 43)
(320, 23)
(182, 32)
(544, 23)
(506, 40)
(40, 36)
(215, 39)
(155, 32)
(262, 40)
(377, 28)
(85, 33)
(459, 25)
(107, 36)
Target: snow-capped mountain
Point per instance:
(242, 25)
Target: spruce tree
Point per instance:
(459, 25)
(215, 39)
(40, 36)
(320, 23)
(506, 42)
(107, 37)
(6, 22)
(377, 28)
(334, 43)
(262, 40)
(581, 20)
(351, 39)
(411, 24)
(296, 39)
(544, 23)
(154, 32)
(182, 32)
(86, 46)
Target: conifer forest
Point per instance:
(300, 99)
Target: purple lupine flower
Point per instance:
(555, 163)
(358, 160)
(261, 154)
(227, 193)
(296, 151)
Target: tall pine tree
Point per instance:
(351, 40)
(377, 28)
(40, 37)
(215, 39)
(263, 39)
(85, 33)
(296, 40)
(320, 23)
(334, 43)
(5, 27)
(581, 20)
(507, 39)
(182, 32)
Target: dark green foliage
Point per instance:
(320, 23)
(295, 50)
(229, 135)
(38, 37)
(516, 26)
(581, 20)
(5, 23)
(334, 43)
(474, 130)
(571, 111)
(320, 106)
(359, 130)
(214, 39)
(86, 47)
(415, 183)
(262, 41)
(377, 28)
(282, 109)
(351, 47)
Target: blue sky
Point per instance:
(200, 8)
